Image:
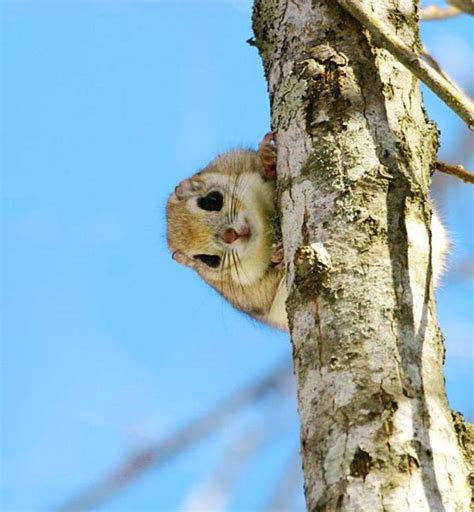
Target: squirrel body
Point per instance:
(221, 222)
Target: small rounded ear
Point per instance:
(267, 151)
(188, 188)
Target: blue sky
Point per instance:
(107, 344)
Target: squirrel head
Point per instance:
(218, 221)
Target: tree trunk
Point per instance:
(354, 156)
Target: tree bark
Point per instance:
(355, 151)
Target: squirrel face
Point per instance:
(218, 223)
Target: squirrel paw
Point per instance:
(277, 256)
(188, 188)
(268, 155)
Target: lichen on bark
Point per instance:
(354, 159)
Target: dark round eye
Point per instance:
(212, 202)
(209, 260)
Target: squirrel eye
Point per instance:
(212, 202)
(209, 260)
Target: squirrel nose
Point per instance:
(230, 235)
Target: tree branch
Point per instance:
(386, 37)
(434, 64)
(177, 442)
(455, 170)
(285, 489)
(434, 12)
(465, 5)
(215, 492)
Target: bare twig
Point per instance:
(285, 490)
(456, 170)
(461, 152)
(464, 5)
(179, 441)
(434, 12)
(465, 269)
(387, 38)
(434, 63)
(216, 491)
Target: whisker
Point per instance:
(222, 268)
(244, 185)
(239, 261)
(230, 204)
(230, 283)
(234, 197)
(236, 261)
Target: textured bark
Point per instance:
(355, 153)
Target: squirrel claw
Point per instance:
(180, 257)
(187, 188)
(268, 138)
(277, 256)
(268, 155)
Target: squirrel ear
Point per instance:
(267, 151)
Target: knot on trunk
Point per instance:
(312, 265)
(361, 464)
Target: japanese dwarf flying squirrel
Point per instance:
(223, 223)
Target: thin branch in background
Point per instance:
(387, 39)
(179, 441)
(283, 494)
(434, 12)
(465, 269)
(460, 151)
(215, 493)
(456, 170)
(434, 63)
(465, 5)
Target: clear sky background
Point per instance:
(107, 344)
